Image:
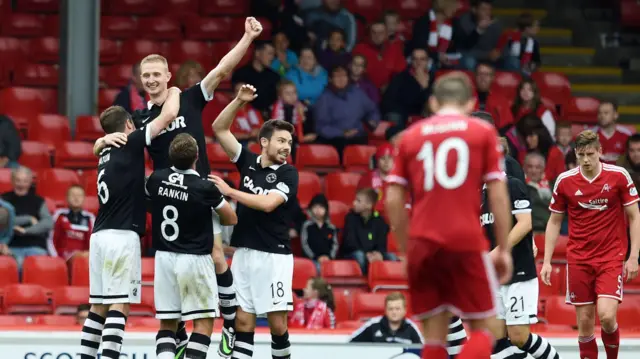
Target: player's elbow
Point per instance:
(525, 222)
(229, 220)
(271, 202)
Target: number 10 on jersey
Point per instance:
(434, 162)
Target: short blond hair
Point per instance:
(453, 88)
(391, 297)
(155, 58)
(586, 139)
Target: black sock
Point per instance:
(227, 298)
(182, 338)
(91, 336)
(198, 346)
(243, 345)
(165, 344)
(504, 349)
(540, 348)
(112, 334)
(280, 346)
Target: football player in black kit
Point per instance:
(263, 262)
(114, 252)
(155, 77)
(185, 279)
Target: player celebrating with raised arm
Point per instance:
(185, 278)
(114, 248)
(263, 263)
(596, 196)
(155, 77)
(443, 163)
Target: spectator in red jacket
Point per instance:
(613, 137)
(247, 123)
(491, 102)
(315, 311)
(518, 49)
(375, 178)
(72, 226)
(539, 140)
(434, 32)
(529, 101)
(564, 137)
(384, 58)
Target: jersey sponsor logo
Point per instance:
(633, 191)
(174, 125)
(271, 177)
(599, 204)
(578, 193)
(521, 204)
(248, 183)
(605, 188)
(283, 187)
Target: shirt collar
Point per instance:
(185, 172)
(273, 167)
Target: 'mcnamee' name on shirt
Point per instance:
(176, 189)
(429, 128)
(105, 156)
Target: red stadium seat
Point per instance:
(159, 28)
(185, 50)
(118, 75)
(89, 180)
(319, 158)
(135, 50)
(308, 186)
(9, 270)
(342, 299)
(234, 177)
(106, 98)
(225, 7)
(558, 312)
(80, 271)
(88, 128)
(26, 99)
(348, 324)
(5, 180)
(52, 24)
(387, 275)
(553, 85)
(49, 272)
(118, 27)
(218, 158)
(410, 9)
(371, 10)
(581, 110)
(91, 204)
(506, 83)
(38, 6)
(75, 154)
(50, 129)
(341, 186)
(378, 137)
(178, 8)
(303, 270)
(558, 281)
(129, 7)
(560, 251)
(357, 158)
(21, 117)
(146, 306)
(36, 75)
(629, 312)
(54, 182)
(109, 52)
(367, 305)
(345, 273)
(44, 50)
(337, 211)
(57, 320)
(209, 28)
(13, 320)
(23, 25)
(35, 155)
(148, 270)
(219, 49)
(67, 299)
(13, 50)
(26, 299)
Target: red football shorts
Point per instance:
(586, 282)
(463, 283)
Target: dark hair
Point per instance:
(325, 292)
(337, 68)
(570, 158)
(476, 3)
(563, 124)
(635, 138)
(370, 193)
(483, 115)
(83, 307)
(183, 151)
(269, 127)
(525, 20)
(486, 64)
(517, 103)
(337, 30)
(378, 22)
(261, 45)
(610, 102)
(453, 88)
(389, 13)
(114, 119)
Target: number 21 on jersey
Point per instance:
(434, 162)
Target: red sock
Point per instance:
(611, 343)
(479, 346)
(588, 347)
(434, 351)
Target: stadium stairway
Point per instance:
(580, 65)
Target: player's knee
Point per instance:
(518, 334)
(277, 323)
(120, 307)
(607, 319)
(100, 309)
(169, 324)
(585, 320)
(245, 322)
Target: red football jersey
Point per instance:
(444, 161)
(597, 228)
(615, 145)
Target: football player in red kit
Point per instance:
(596, 197)
(443, 162)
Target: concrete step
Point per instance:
(509, 16)
(588, 74)
(567, 56)
(629, 114)
(624, 95)
(555, 37)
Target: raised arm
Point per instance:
(169, 113)
(252, 29)
(222, 125)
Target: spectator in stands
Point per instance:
(409, 90)
(393, 135)
(315, 311)
(392, 22)
(564, 137)
(319, 236)
(285, 58)
(613, 138)
(341, 111)
(132, 97)
(7, 220)
(631, 159)
(516, 135)
(72, 226)
(529, 101)
(477, 33)
(247, 123)
(309, 77)
(289, 108)
(491, 102)
(434, 32)
(335, 52)
(518, 50)
(392, 327)
(360, 79)
(82, 313)
(259, 74)
(384, 58)
(10, 143)
(189, 74)
(365, 231)
(570, 160)
(33, 220)
(375, 178)
(331, 15)
(539, 140)
(539, 190)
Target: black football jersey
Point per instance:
(182, 205)
(266, 232)
(524, 266)
(189, 120)
(121, 185)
